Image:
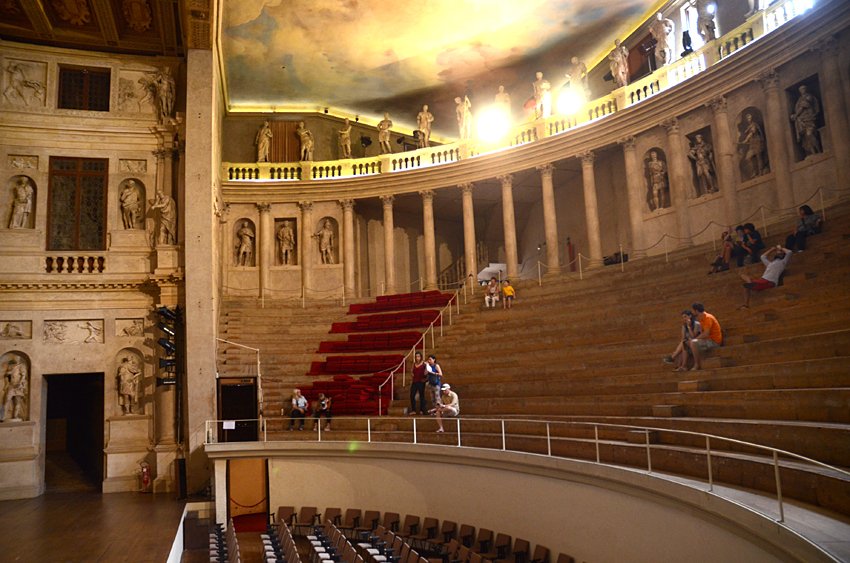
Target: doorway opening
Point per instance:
(74, 460)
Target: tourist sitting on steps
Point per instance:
(690, 330)
(775, 260)
(491, 295)
(710, 338)
(323, 408)
(751, 245)
(299, 409)
(808, 224)
(727, 248)
(450, 406)
(509, 294)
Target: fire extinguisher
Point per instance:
(146, 476)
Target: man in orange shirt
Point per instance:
(709, 338)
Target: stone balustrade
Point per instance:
(86, 264)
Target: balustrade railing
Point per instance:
(71, 264)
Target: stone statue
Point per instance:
(20, 88)
(22, 204)
(15, 393)
(384, 127)
(754, 5)
(752, 147)
(286, 237)
(325, 236)
(167, 218)
(663, 31)
(165, 88)
(245, 246)
(464, 118)
(94, 332)
(657, 180)
(128, 385)
(705, 19)
(702, 155)
(805, 119)
(423, 122)
(577, 77)
(542, 97)
(264, 142)
(306, 142)
(503, 101)
(131, 202)
(345, 140)
(618, 61)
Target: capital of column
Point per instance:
(427, 195)
(467, 188)
(306, 206)
(387, 200)
(827, 47)
(628, 143)
(222, 212)
(769, 79)
(264, 207)
(506, 179)
(160, 154)
(346, 204)
(717, 104)
(587, 157)
(546, 170)
(671, 125)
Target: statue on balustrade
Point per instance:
(22, 204)
(658, 186)
(286, 238)
(345, 140)
(245, 246)
(128, 384)
(464, 118)
(264, 142)
(167, 218)
(384, 127)
(15, 392)
(325, 236)
(577, 77)
(542, 97)
(618, 62)
(754, 5)
(702, 155)
(131, 205)
(705, 19)
(663, 31)
(503, 101)
(752, 147)
(423, 122)
(306, 139)
(805, 118)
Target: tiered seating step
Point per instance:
(419, 300)
(355, 364)
(389, 321)
(372, 342)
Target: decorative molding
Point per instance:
(74, 11)
(671, 125)
(587, 158)
(387, 200)
(545, 170)
(827, 47)
(717, 104)
(769, 79)
(427, 195)
(628, 143)
(137, 14)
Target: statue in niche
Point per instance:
(22, 204)
(325, 237)
(657, 171)
(752, 147)
(503, 101)
(131, 202)
(345, 140)
(618, 62)
(805, 119)
(20, 88)
(702, 155)
(384, 127)
(245, 246)
(264, 142)
(128, 384)
(164, 88)
(423, 122)
(306, 139)
(94, 332)
(286, 238)
(12, 331)
(464, 118)
(15, 392)
(705, 20)
(542, 97)
(663, 31)
(577, 77)
(167, 218)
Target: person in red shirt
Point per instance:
(418, 385)
(710, 337)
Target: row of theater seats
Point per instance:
(329, 545)
(278, 545)
(224, 547)
(447, 543)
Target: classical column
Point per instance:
(680, 179)
(550, 219)
(265, 243)
(725, 157)
(835, 112)
(348, 254)
(776, 125)
(430, 239)
(305, 245)
(226, 244)
(637, 196)
(469, 252)
(591, 208)
(509, 222)
(389, 244)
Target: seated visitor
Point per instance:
(450, 406)
(323, 408)
(721, 263)
(690, 330)
(509, 294)
(299, 409)
(420, 379)
(751, 245)
(808, 224)
(775, 260)
(491, 294)
(710, 337)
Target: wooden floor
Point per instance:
(89, 527)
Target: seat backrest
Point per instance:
(564, 558)
(405, 551)
(307, 514)
(521, 548)
(503, 540)
(284, 514)
(331, 514)
(371, 519)
(410, 522)
(352, 518)
(391, 520)
(429, 527)
(412, 557)
(451, 551)
(475, 557)
(485, 536)
(541, 554)
(448, 530)
(466, 534)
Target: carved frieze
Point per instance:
(86, 331)
(20, 162)
(24, 83)
(129, 327)
(133, 166)
(15, 330)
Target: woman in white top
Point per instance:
(299, 409)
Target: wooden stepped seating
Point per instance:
(389, 321)
(352, 396)
(355, 364)
(372, 342)
(422, 300)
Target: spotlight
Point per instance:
(711, 8)
(400, 140)
(326, 110)
(492, 125)
(357, 119)
(365, 141)
(568, 102)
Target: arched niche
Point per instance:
(129, 375)
(657, 179)
(753, 160)
(15, 370)
(20, 194)
(286, 241)
(702, 162)
(326, 233)
(244, 243)
(131, 199)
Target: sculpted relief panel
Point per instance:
(15, 330)
(73, 332)
(24, 83)
(136, 92)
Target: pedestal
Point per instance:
(128, 446)
(167, 260)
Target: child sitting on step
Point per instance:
(509, 293)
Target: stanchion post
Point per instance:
(622, 266)
(763, 222)
(666, 257)
(822, 208)
(580, 275)
(708, 462)
(539, 279)
(778, 486)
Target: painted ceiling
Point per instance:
(365, 57)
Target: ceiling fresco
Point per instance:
(365, 57)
